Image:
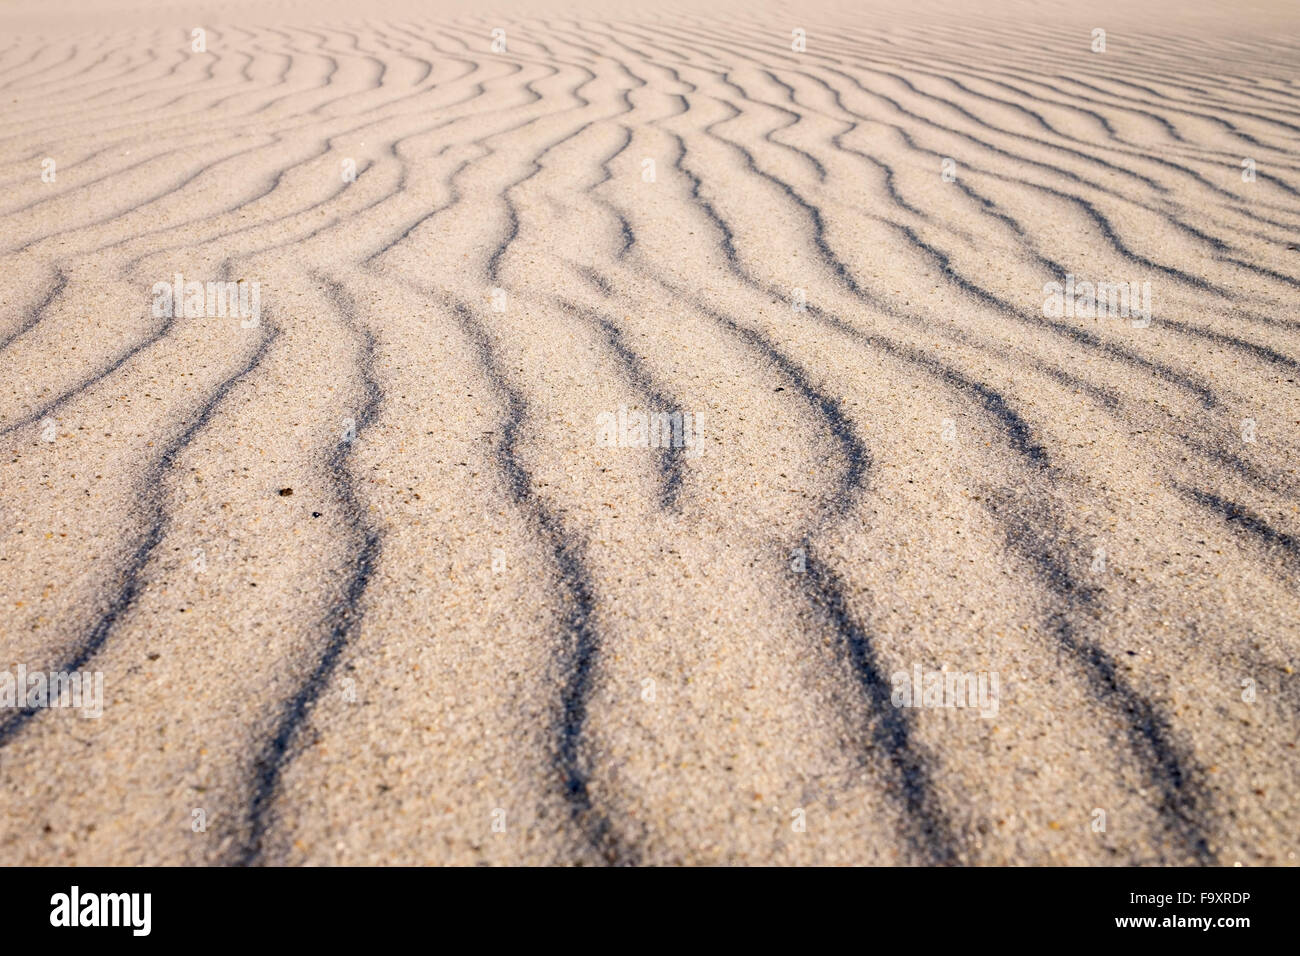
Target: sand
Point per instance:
(385, 573)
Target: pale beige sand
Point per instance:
(622, 654)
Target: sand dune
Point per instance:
(624, 406)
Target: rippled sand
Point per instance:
(379, 571)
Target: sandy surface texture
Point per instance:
(536, 433)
